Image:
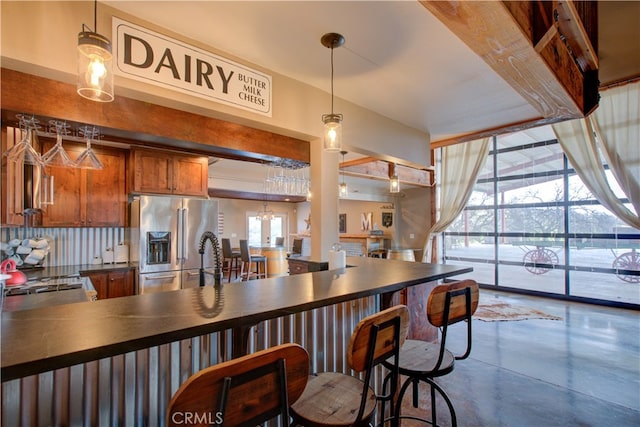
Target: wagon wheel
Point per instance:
(627, 261)
(539, 256)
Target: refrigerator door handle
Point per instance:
(179, 237)
(173, 276)
(185, 228)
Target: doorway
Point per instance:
(264, 232)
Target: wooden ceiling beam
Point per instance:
(543, 71)
(143, 122)
(380, 170)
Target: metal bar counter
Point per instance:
(119, 361)
(40, 340)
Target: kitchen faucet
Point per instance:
(208, 235)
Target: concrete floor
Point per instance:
(583, 370)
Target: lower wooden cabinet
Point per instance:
(112, 283)
(301, 265)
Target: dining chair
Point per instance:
(337, 399)
(246, 391)
(247, 259)
(422, 361)
(230, 259)
(279, 241)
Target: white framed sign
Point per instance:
(145, 55)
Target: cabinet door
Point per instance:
(120, 284)
(100, 284)
(68, 189)
(106, 201)
(190, 176)
(152, 172)
(12, 181)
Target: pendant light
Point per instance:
(343, 191)
(394, 182)
(332, 122)
(95, 65)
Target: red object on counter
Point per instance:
(8, 266)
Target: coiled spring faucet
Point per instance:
(208, 235)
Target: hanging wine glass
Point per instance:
(57, 156)
(23, 151)
(88, 159)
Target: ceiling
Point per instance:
(398, 59)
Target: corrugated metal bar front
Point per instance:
(134, 389)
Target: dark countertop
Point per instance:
(73, 270)
(48, 299)
(45, 339)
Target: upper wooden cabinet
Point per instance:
(87, 197)
(167, 172)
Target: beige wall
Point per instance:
(40, 37)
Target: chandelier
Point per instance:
(265, 214)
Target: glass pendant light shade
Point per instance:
(394, 181)
(394, 184)
(343, 191)
(332, 132)
(95, 67)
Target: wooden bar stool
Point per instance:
(424, 361)
(335, 399)
(246, 391)
(230, 259)
(247, 259)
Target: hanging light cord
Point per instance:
(332, 79)
(95, 15)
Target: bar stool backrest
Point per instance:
(452, 303)
(226, 248)
(378, 328)
(245, 255)
(246, 391)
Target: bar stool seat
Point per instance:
(247, 259)
(336, 399)
(246, 391)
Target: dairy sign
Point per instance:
(147, 56)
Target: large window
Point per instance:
(532, 225)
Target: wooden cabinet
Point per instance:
(112, 283)
(166, 172)
(87, 197)
(301, 265)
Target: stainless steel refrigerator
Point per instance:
(165, 239)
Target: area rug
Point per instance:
(494, 310)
